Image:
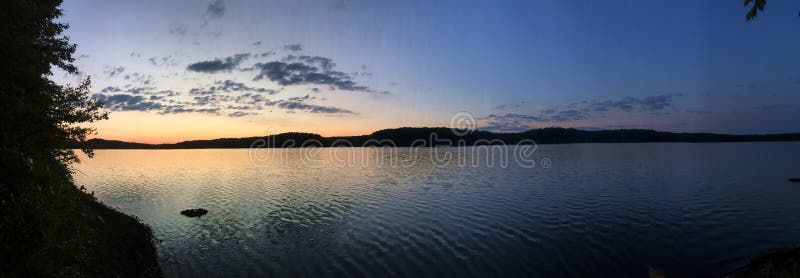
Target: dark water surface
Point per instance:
(597, 210)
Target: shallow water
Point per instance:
(597, 210)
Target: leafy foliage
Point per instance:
(40, 117)
(48, 227)
(758, 5)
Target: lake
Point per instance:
(580, 210)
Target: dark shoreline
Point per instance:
(783, 262)
(440, 136)
(58, 230)
(124, 245)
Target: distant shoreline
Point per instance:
(440, 136)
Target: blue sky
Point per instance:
(666, 65)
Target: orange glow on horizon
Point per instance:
(144, 127)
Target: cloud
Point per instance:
(507, 127)
(578, 111)
(218, 64)
(126, 102)
(123, 102)
(179, 31)
(298, 103)
(250, 98)
(230, 86)
(251, 101)
(293, 47)
(340, 5)
(239, 114)
(111, 89)
(135, 90)
(215, 100)
(565, 116)
(168, 93)
(176, 109)
(511, 106)
(304, 70)
(216, 9)
(168, 60)
(114, 71)
(628, 104)
(139, 90)
(264, 54)
(313, 108)
(324, 63)
(145, 99)
(201, 91)
(552, 116)
(144, 79)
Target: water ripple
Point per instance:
(601, 210)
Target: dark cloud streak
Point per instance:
(311, 70)
(218, 64)
(293, 47)
(216, 9)
(578, 111)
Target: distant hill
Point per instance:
(440, 136)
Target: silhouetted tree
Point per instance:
(40, 117)
(38, 120)
(758, 6)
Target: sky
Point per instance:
(171, 71)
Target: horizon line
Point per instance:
(470, 130)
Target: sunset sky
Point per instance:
(180, 70)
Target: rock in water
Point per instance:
(194, 212)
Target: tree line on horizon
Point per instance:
(441, 136)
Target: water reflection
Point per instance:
(601, 209)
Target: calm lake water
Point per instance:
(597, 210)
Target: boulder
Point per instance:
(194, 212)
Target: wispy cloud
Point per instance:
(299, 103)
(127, 102)
(304, 70)
(578, 111)
(216, 9)
(114, 71)
(179, 31)
(143, 79)
(218, 64)
(230, 86)
(293, 47)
